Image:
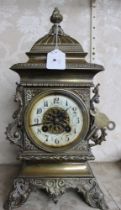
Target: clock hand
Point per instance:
(39, 124)
(66, 109)
(44, 127)
(63, 111)
(66, 127)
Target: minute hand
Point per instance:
(65, 126)
(39, 124)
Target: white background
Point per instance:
(23, 22)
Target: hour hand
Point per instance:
(66, 126)
(36, 124)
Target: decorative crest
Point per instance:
(56, 17)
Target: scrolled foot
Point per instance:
(18, 195)
(93, 194)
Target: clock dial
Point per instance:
(54, 120)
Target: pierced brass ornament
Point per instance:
(56, 121)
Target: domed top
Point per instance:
(56, 38)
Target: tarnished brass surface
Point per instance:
(50, 168)
(57, 170)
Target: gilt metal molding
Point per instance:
(53, 83)
(56, 157)
(79, 67)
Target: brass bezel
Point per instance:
(67, 93)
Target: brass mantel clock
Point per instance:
(56, 122)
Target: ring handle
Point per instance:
(111, 125)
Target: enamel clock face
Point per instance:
(55, 120)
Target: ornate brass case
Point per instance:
(62, 168)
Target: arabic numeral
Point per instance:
(36, 120)
(78, 120)
(66, 103)
(56, 100)
(38, 131)
(39, 110)
(67, 138)
(45, 103)
(74, 109)
(56, 141)
(46, 138)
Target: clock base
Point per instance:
(86, 186)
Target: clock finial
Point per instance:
(56, 16)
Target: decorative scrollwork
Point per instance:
(94, 134)
(19, 194)
(95, 98)
(99, 122)
(93, 195)
(14, 131)
(55, 187)
(86, 186)
(98, 136)
(84, 94)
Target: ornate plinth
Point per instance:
(55, 187)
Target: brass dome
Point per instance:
(56, 38)
(64, 42)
